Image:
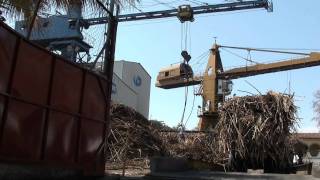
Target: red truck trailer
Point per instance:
(53, 112)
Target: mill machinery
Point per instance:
(216, 83)
(64, 34)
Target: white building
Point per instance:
(312, 143)
(131, 86)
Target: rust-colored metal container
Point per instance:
(52, 111)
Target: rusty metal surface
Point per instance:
(7, 46)
(52, 112)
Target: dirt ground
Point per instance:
(137, 168)
(130, 172)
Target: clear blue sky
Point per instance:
(293, 24)
(157, 43)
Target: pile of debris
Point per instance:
(257, 131)
(194, 146)
(132, 136)
(253, 132)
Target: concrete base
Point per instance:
(316, 171)
(224, 176)
(166, 164)
(15, 172)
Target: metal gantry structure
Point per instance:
(64, 34)
(216, 82)
(73, 22)
(224, 7)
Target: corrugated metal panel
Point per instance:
(135, 76)
(123, 94)
(118, 68)
(52, 112)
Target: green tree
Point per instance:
(26, 7)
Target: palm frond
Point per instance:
(25, 8)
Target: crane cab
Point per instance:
(172, 76)
(185, 13)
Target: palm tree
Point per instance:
(30, 8)
(27, 7)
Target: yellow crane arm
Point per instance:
(179, 82)
(312, 60)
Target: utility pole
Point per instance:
(110, 46)
(34, 17)
(111, 40)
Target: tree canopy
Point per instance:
(26, 7)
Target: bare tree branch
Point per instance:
(316, 107)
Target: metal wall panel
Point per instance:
(93, 100)
(93, 104)
(66, 88)
(2, 103)
(32, 74)
(7, 46)
(52, 111)
(136, 77)
(22, 131)
(123, 94)
(91, 139)
(62, 138)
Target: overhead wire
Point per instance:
(157, 4)
(193, 102)
(201, 61)
(198, 58)
(292, 49)
(239, 56)
(184, 109)
(198, 2)
(262, 50)
(165, 4)
(134, 6)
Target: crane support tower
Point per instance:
(216, 83)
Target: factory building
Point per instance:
(131, 86)
(312, 147)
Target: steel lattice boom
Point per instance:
(196, 10)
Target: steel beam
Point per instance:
(197, 10)
(312, 60)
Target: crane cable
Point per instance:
(134, 6)
(193, 101)
(164, 4)
(264, 50)
(248, 59)
(184, 46)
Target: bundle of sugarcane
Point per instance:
(132, 136)
(256, 131)
(200, 146)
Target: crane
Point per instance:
(55, 38)
(186, 12)
(216, 83)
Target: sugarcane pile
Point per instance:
(256, 131)
(132, 136)
(193, 146)
(253, 132)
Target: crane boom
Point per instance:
(215, 81)
(241, 5)
(311, 60)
